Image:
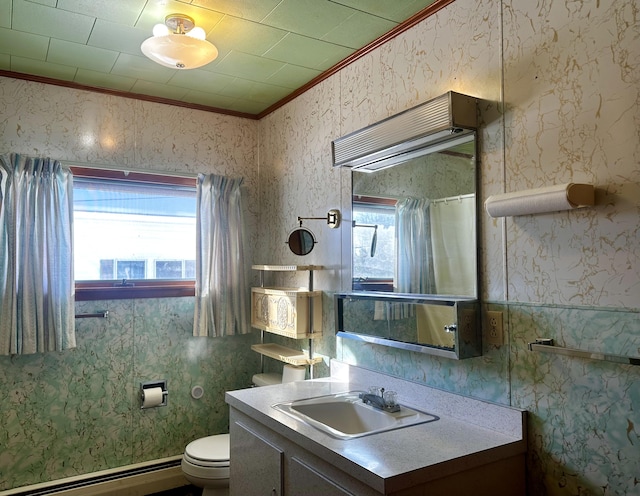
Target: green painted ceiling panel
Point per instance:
(5, 14)
(248, 66)
(245, 36)
(102, 80)
(48, 3)
(293, 76)
(159, 90)
(358, 30)
(82, 56)
(117, 37)
(41, 68)
(396, 10)
(119, 12)
(5, 61)
(141, 68)
(267, 48)
(204, 98)
(248, 106)
(200, 80)
(23, 44)
(46, 21)
(313, 18)
(155, 13)
(252, 10)
(250, 90)
(307, 52)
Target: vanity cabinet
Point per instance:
(474, 448)
(258, 464)
(266, 463)
(308, 481)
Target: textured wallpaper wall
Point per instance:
(559, 91)
(78, 411)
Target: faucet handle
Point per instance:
(376, 390)
(390, 398)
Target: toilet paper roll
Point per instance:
(540, 200)
(292, 373)
(151, 397)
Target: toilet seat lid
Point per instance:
(209, 449)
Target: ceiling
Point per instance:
(269, 50)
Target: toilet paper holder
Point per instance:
(152, 385)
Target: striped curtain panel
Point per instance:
(37, 309)
(221, 286)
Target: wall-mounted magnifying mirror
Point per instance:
(301, 241)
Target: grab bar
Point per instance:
(546, 345)
(100, 315)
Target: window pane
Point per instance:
(106, 269)
(131, 269)
(382, 264)
(169, 269)
(132, 230)
(189, 269)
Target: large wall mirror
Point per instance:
(414, 253)
(414, 225)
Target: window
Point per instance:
(134, 234)
(373, 243)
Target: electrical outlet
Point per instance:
(494, 333)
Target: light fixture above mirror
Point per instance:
(179, 44)
(434, 125)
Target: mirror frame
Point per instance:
(294, 241)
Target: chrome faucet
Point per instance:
(378, 399)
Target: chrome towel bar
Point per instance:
(99, 315)
(547, 346)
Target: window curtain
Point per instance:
(221, 287)
(37, 309)
(414, 264)
(414, 259)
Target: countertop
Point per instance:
(469, 433)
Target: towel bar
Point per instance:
(547, 346)
(100, 315)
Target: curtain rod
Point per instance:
(453, 198)
(189, 175)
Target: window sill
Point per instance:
(90, 291)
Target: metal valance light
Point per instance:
(179, 44)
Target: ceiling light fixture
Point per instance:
(179, 44)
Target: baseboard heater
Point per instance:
(131, 480)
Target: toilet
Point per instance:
(205, 463)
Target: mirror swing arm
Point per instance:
(445, 322)
(333, 218)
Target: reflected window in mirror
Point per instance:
(373, 243)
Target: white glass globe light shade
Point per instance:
(160, 30)
(178, 51)
(197, 33)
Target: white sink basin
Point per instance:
(345, 416)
